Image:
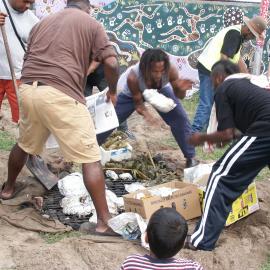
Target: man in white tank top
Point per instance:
(154, 71)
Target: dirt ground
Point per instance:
(244, 245)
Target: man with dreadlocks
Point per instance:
(154, 71)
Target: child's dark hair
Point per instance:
(150, 56)
(225, 68)
(71, 2)
(166, 232)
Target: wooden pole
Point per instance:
(3, 31)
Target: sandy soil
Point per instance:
(244, 245)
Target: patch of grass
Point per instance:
(190, 105)
(263, 175)
(51, 238)
(266, 266)
(213, 156)
(6, 141)
(169, 141)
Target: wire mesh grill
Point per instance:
(53, 197)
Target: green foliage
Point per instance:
(51, 238)
(169, 141)
(263, 175)
(201, 155)
(6, 141)
(190, 105)
(266, 266)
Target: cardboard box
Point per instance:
(246, 204)
(116, 154)
(185, 199)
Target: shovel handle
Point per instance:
(4, 34)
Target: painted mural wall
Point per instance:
(181, 28)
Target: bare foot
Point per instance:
(6, 192)
(102, 226)
(90, 228)
(10, 191)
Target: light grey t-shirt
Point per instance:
(24, 22)
(125, 90)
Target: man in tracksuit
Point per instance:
(225, 45)
(242, 106)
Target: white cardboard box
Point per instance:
(116, 154)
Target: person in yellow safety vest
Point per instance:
(226, 45)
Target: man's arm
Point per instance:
(2, 18)
(111, 72)
(226, 126)
(241, 63)
(215, 137)
(231, 46)
(29, 41)
(133, 85)
(180, 86)
(93, 66)
(223, 56)
(242, 66)
(103, 52)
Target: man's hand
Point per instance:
(180, 87)
(148, 117)
(215, 137)
(93, 66)
(111, 96)
(141, 109)
(185, 84)
(2, 18)
(195, 139)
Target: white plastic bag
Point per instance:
(76, 205)
(196, 173)
(162, 191)
(129, 225)
(72, 185)
(212, 127)
(134, 187)
(114, 202)
(158, 101)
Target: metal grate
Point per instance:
(51, 205)
(118, 186)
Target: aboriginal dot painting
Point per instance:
(181, 28)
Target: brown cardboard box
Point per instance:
(186, 200)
